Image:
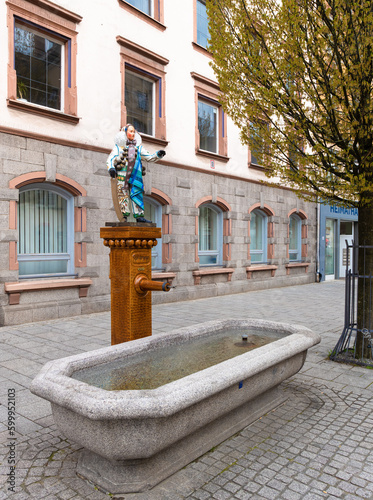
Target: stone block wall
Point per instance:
(185, 187)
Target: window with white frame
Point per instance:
(203, 35)
(210, 231)
(208, 126)
(45, 231)
(143, 5)
(39, 64)
(258, 237)
(153, 212)
(139, 101)
(295, 234)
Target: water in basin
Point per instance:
(154, 368)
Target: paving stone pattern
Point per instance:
(318, 444)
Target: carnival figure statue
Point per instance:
(124, 164)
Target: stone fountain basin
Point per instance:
(134, 439)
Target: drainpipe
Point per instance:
(318, 275)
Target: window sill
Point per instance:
(46, 112)
(14, 290)
(255, 166)
(260, 267)
(163, 276)
(141, 15)
(294, 265)
(212, 271)
(154, 140)
(213, 156)
(202, 49)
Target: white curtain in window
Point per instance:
(153, 212)
(294, 238)
(42, 220)
(208, 222)
(257, 237)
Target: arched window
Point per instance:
(210, 231)
(153, 212)
(295, 238)
(258, 236)
(45, 231)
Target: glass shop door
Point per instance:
(346, 232)
(330, 249)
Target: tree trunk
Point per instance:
(365, 271)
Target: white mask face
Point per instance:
(121, 138)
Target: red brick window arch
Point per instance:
(213, 228)
(47, 217)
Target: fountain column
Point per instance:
(130, 275)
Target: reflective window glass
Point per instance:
(143, 5)
(202, 24)
(208, 127)
(38, 64)
(139, 102)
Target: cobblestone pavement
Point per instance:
(318, 444)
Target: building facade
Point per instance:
(73, 75)
(337, 225)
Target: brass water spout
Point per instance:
(143, 284)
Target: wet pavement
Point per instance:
(318, 444)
